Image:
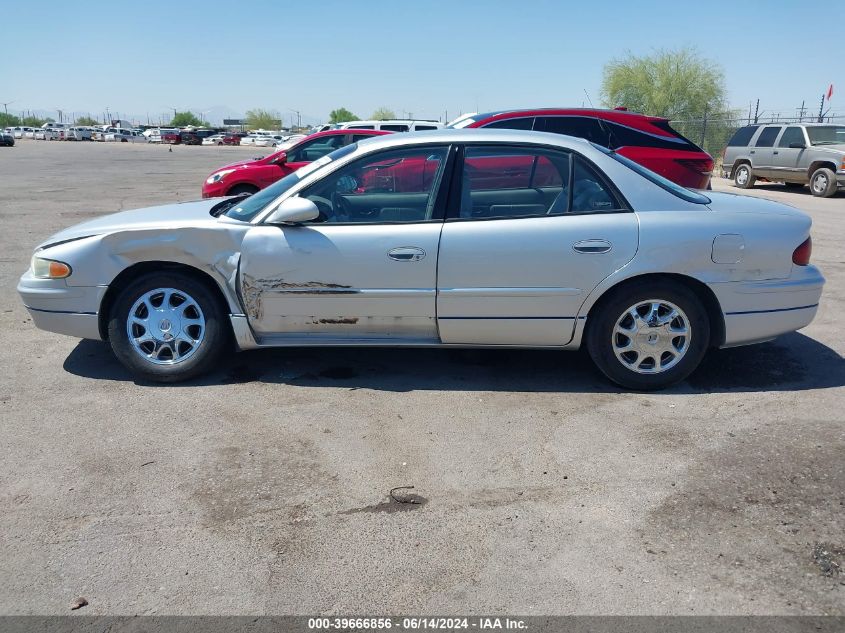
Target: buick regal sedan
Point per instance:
(456, 238)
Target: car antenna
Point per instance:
(605, 128)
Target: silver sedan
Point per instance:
(458, 238)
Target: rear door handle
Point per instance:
(406, 253)
(592, 246)
(774, 152)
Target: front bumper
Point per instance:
(756, 311)
(56, 307)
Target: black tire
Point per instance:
(823, 183)
(600, 337)
(203, 358)
(744, 178)
(243, 188)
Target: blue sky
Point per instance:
(422, 58)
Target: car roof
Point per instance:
(603, 113)
(347, 131)
(477, 135)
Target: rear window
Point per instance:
(742, 137)
(685, 194)
(395, 128)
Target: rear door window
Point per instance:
(580, 126)
(522, 123)
(395, 128)
(767, 136)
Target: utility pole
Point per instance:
(6, 106)
(750, 105)
(821, 110)
(801, 112)
(703, 127)
(756, 110)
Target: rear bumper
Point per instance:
(761, 310)
(56, 307)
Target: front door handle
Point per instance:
(592, 247)
(406, 253)
(774, 152)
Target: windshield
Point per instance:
(250, 207)
(826, 134)
(682, 192)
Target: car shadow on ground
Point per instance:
(793, 362)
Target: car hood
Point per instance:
(194, 213)
(736, 203)
(838, 148)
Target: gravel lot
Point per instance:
(263, 488)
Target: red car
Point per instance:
(233, 138)
(249, 176)
(647, 140)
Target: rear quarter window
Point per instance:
(742, 137)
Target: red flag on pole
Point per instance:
(830, 92)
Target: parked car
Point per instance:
(268, 141)
(604, 254)
(216, 139)
(289, 141)
(120, 135)
(795, 154)
(233, 138)
(7, 139)
(172, 137)
(191, 138)
(46, 134)
(396, 125)
(647, 140)
(19, 131)
(154, 135)
(249, 176)
(78, 133)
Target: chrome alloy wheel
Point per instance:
(742, 175)
(651, 336)
(165, 326)
(820, 182)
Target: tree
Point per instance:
(263, 119)
(679, 85)
(341, 115)
(86, 120)
(8, 120)
(383, 114)
(183, 119)
(34, 121)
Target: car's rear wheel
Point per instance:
(649, 335)
(743, 178)
(167, 327)
(239, 189)
(823, 183)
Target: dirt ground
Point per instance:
(540, 488)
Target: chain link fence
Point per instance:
(713, 134)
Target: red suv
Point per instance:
(249, 176)
(647, 140)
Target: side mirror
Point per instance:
(281, 159)
(797, 146)
(294, 210)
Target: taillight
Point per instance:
(699, 165)
(801, 255)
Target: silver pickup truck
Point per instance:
(795, 154)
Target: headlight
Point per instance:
(49, 268)
(218, 176)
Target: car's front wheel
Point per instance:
(648, 335)
(743, 177)
(823, 183)
(167, 327)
